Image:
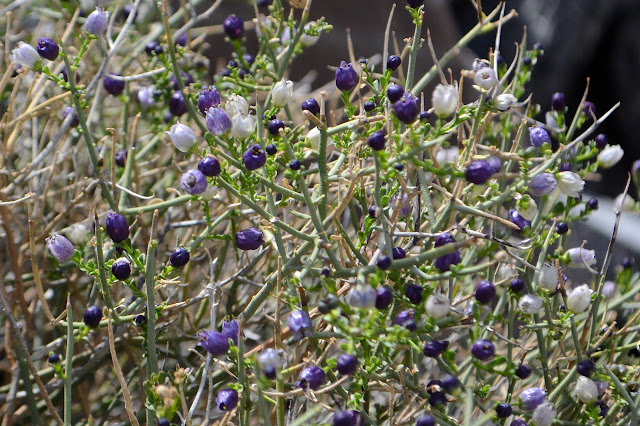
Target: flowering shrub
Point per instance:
(243, 251)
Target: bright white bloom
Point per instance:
(581, 257)
(570, 183)
(242, 126)
(78, 233)
(313, 138)
(447, 155)
(182, 137)
(545, 414)
(236, 105)
(437, 306)
(548, 277)
(610, 156)
(445, 100)
(504, 102)
(506, 271)
(25, 55)
(609, 289)
(530, 304)
(145, 97)
(282, 92)
(629, 203)
(486, 78)
(586, 390)
(579, 299)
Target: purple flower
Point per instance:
(405, 319)
(92, 316)
(121, 268)
(74, 118)
(589, 109)
(193, 182)
(394, 92)
(383, 297)
(47, 48)
(558, 101)
(113, 86)
(177, 104)
(208, 97)
(233, 27)
(209, 166)
(121, 157)
(414, 293)
(249, 239)
(443, 263)
(377, 140)
(300, 324)
(406, 108)
(346, 77)
(311, 377)
(478, 172)
(311, 105)
(485, 290)
(542, 184)
(254, 157)
(60, 247)
(231, 330)
(179, 257)
(393, 62)
(214, 342)
(495, 164)
(518, 220)
(217, 120)
(434, 348)
(227, 399)
(538, 136)
(363, 297)
(186, 79)
(531, 398)
(117, 227)
(483, 349)
(346, 364)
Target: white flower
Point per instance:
(581, 257)
(570, 183)
(530, 304)
(486, 78)
(313, 138)
(182, 137)
(437, 306)
(506, 271)
(447, 155)
(609, 289)
(242, 126)
(548, 277)
(628, 205)
(271, 358)
(579, 299)
(586, 390)
(544, 414)
(78, 233)
(504, 102)
(145, 97)
(527, 207)
(609, 156)
(445, 100)
(236, 105)
(25, 55)
(282, 92)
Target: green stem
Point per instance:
(414, 47)
(68, 365)
(150, 268)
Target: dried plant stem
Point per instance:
(128, 403)
(36, 273)
(68, 367)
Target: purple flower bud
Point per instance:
(383, 297)
(558, 101)
(117, 227)
(181, 40)
(54, 358)
(443, 263)
(300, 324)
(516, 218)
(483, 349)
(346, 418)
(478, 172)
(405, 319)
(121, 157)
(92, 316)
(523, 371)
(177, 104)
(227, 399)
(369, 106)
(601, 140)
(450, 383)
(394, 92)
(398, 253)
(214, 342)
(347, 364)
(97, 22)
(187, 80)
(113, 86)
(274, 127)
(586, 368)
(518, 422)
(233, 27)
(311, 377)
(531, 398)
(437, 398)
(249, 239)
(218, 121)
(516, 285)
(503, 410)
(254, 157)
(415, 3)
(363, 297)
(311, 105)
(414, 293)
(346, 77)
(485, 290)
(121, 268)
(271, 149)
(384, 262)
(542, 184)
(538, 136)
(208, 97)
(193, 182)
(589, 109)
(209, 166)
(231, 330)
(494, 163)
(377, 140)
(74, 119)
(434, 348)
(179, 257)
(393, 62)
(60, 247)
(406, 108)
(47, 48)
(425, 419)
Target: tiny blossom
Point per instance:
(145, 97)
(235, 105)
(242, 126)
(531, 398)
(504, 102)
(586, 390)
(271, 358)
(217, 121)
(580, 257)
(282, 92)
(182, 136)
(193, 182)
(570, 183)
(60, 247)
(548, 277)
(527, 207)
(25, 55)
(445, 100)
(609, 289)
(486, 78)
(530, 304)
(579, 299)
(363, 297)
(437, 306)
(300, 324)
(545, 414)
(610, 156)
(538, 136)
(542, 184)
(97, 22)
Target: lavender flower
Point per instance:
(25, 55)
(580, 257)
(542, 184)
(193, 182)
(97, 22)
(214, 342)
(60, 247)
(300, 324)
(531, 398)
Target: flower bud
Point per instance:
(579, 299)
(586, 390)
(145, 97)
(311, 377)
(249, 239)
(516, 218)
(504, 102)
(47, 48)
(405, 319)
(60, 247)
(235, 105)
(210, 166)
(233, 27)
(78, 233)
(558, 101)
(92, 316)
(570, 183)
(182, 136)
(538, 137)
(545, 414)
(363, 296)
(609, 289)
(486, 78)
(113, 86)
(406, 108)
(282, 92)
(242, 126)
(483, 349)
(217, 120)
(548, 277)
(180, 257)
(254, 157)
(213, 342)
(117, 227)
(542, 184)
(346, 77)
(478, 172)
(384, 297)
(580, 257)
(346, 364)
(610, 156)
(271, 358)
(530, 304)
(231, 330)
(121, 268)
(97, 22)
(227, 399)
(437, 306)
(393, 62)
(193, 182)
(208, 97)
(25, 55)
(445, 100)
(531, 398)
(177, 104)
